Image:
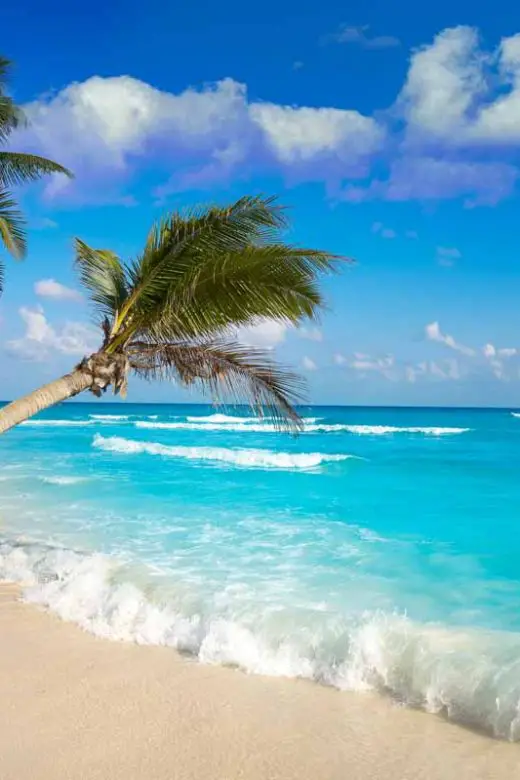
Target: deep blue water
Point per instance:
(378, 549)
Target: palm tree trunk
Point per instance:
(48, 395)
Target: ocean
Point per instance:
(378, 550)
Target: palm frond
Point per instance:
(187, 236)
(11, 116)
(228, 371)
(225, 267)
(12, 226)
(17, 168)
(102, 273)
(276, 282)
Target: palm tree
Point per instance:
(172, 312)
(15, 168)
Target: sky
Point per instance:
(391, 131)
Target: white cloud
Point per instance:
(446, 255)
(297, 134)
(49, 288)
(265, 333)
(364, 364)
(462, 94)
(312, 334)
(434, 333)
(496, 357)
(359, 35)
(101, 127)
(41, 339)
(308, 364)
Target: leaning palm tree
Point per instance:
(15, 168)
(173, 311)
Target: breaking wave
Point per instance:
(469, 676)
(229, 419)
(63, 480)
(374, 430)
(59, 423)
(109, 417)
(246, 458)
(381, 430)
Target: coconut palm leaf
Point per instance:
(11, 116)
(224, 369)
(17, 168)
(103, 274)
(170, 313)
(223, 269)
(12, 230)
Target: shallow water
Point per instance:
(379, 549)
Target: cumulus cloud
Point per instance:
(450, 133)
(364, 365)
(50, 288)
(41, 339)
(102, 127)
(451, 90)
(308, 364)
(433, 333)
(264, 333)
(446, 255)
(359, 35)
(312, 334)
(428, 178)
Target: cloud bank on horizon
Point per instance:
(452, 132)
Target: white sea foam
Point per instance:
(229, 419)
(515, 414)
(63, 480)
(247, 458)
(226, 427)
(108, 417)
(472, 677)
(382, 430)
(59, 423)
(374, 430)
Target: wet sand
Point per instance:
(74, 706)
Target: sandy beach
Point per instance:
(75, 706)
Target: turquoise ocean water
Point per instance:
(380, 549)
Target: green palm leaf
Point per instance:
(10, 115)
(17, 168)
(12, 229)
(222, 268)
(103, 274)
(170, 314)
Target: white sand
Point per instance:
(73, 706)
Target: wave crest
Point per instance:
(58, 423)
(470, 676)
(225, 419)
(246, 458)
(382, 430)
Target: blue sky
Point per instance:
(392, 133)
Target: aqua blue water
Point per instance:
(379, 549)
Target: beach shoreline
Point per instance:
(77, 706)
